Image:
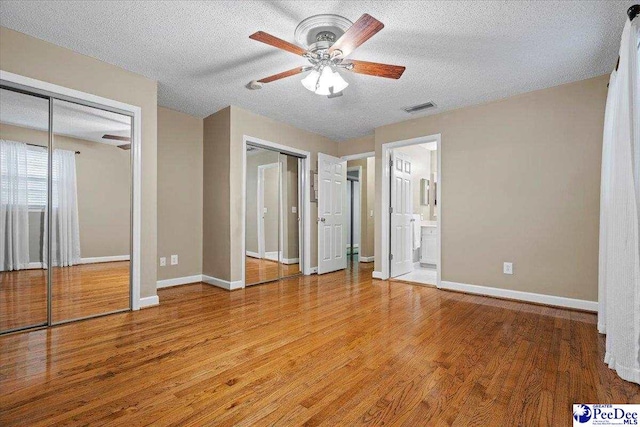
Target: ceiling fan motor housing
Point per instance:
(319, 32)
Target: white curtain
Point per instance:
(619, 261)
(65, 230)
(14, 206)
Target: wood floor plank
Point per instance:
(336, 349)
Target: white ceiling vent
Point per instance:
(420, 107)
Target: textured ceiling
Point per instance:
(69, 119)
(456, 53)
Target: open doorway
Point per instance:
(411, 211)
(354, 219)
(361, 199)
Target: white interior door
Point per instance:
(401, 259)
(332, 213)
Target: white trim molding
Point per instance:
(99, 259)
(359, 156)
(377, 275)
(289, 261)
(136, 166)
(552, 300)
(224, 284)
(253, 254)
(178, 281)
(367, 258)
(147, 302)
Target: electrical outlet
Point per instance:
(507, 268)
(294, 209)
(174, 259)
(163, 261)
(371, 213)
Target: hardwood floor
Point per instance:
(78, 291)
(262, 270)
(337, 349)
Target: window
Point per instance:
(37, 177)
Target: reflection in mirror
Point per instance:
(90, 212)
(290, 223)
(262, 216)
(24, 137)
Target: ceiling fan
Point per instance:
(329, 40)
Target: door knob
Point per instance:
(323, 219)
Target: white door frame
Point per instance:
(62, 92)
(305, 249)
(385, 219)
(260, 207)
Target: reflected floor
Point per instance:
(78, 291)
(262, 270)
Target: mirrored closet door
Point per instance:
(24, 141)
(90, 211)
(272, 215)
(65, 203)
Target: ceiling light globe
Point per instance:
(311, 80)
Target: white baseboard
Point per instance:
(290, 261)
(253, 254)
(273, 256)
(114, 258)
(521, 296)
(357, 245)
(367, 259)
(91, 260)
(178, 281)
(224, 284)
(149, 301)
(377, 275)
(314, 270)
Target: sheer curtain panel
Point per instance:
(619, 261)
(14, 206)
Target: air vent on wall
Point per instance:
(419, 108)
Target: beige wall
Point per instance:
(216, 223)
(179, 193)
(30, 57)
(520, 183)
(103, 175)
(369, 246)
(244, 122)
(360, 145)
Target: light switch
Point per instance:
(264, 210)
(371, 213)
(163, 261)
(294, 209)
(174, 259)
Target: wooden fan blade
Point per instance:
(376, 69)
(263, 37)
(116, 137)
(361, 31)
(282, 75)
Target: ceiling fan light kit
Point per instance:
(329, 39)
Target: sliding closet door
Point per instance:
(262, 216)
(90, 221)
(24, 138)
(289, 263)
